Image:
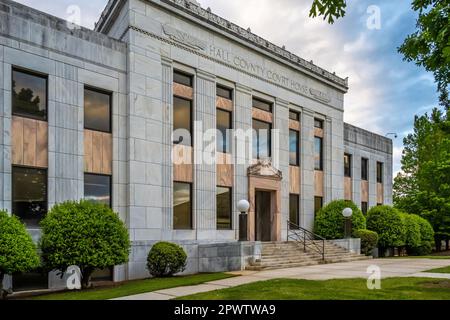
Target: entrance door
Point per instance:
(262, 216)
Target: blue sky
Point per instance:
(385, 92)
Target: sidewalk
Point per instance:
(357, 269)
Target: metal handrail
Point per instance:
(306, 238)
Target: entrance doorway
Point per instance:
(263, 205)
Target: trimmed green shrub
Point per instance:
(369, 240)
(427, 237)
(412, 231)
(330, 221)
(387, 222)
(17, 250)
(84, 234)
(166, 259)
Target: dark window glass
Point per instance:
(318, 153)
(182, 206)
(364, 169)
(364, 207)
(97, 110)
(97, 188)
(29, 192)
(29, 95)
(182, 124)
(263, 105)
(224, 211)
(318, 123)
(262, 143)
(318, 204)
(294, 148)
(225, 92)
(223, 126)
(294, 209)
(348, 165)
(379, 172)
(294, 115)
(182, 78)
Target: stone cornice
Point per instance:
(221, 23)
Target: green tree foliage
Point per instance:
(17, 250)
(423, 186)
(329, 221)
(166, 259)
(413, 237)
(429, 45)
(331, 10)
(387, 222)
(369, 240)
(85, 234)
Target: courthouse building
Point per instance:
(91, 114)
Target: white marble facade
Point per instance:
(132, 53)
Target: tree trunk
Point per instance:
(437, 242)
(447, 244)
(86, 277)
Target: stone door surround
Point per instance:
(264, 177)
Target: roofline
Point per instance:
(215, 22)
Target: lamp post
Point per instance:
(243, 207)
(347, 213)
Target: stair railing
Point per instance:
(306, 239)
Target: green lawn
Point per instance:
(439, 270)
(134, 287)
(342, 289)
(420, 257)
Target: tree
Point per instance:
(84, 234)
(17, 250)
(423, 186)
(329, 221)
(428, 46)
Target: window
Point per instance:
(318, 123)
(182, 124)
(318, 154)
(348, 165)
(182, 206)
(294, 216)
(29, 194)
(97, 110)
(262, 105)
(224, 212)
(97, 188)
(294, 156)
(223, 119)
(224, 93)
(364, 169)
(318, 204)
(29, 95)
(294, 115)
(364, 208)
(262, 143)
(379, 172)
(182, 78)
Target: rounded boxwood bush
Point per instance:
(17, 251)
(166, 259)
(84, 234)
(412, 231)
(329, 221)
(387, 222)
(427, 237)
(369, 240)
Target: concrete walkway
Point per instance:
(357, 269)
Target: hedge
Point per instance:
(329, 221)
(369, 240)
(387, 222)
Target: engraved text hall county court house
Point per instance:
(91, 114)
